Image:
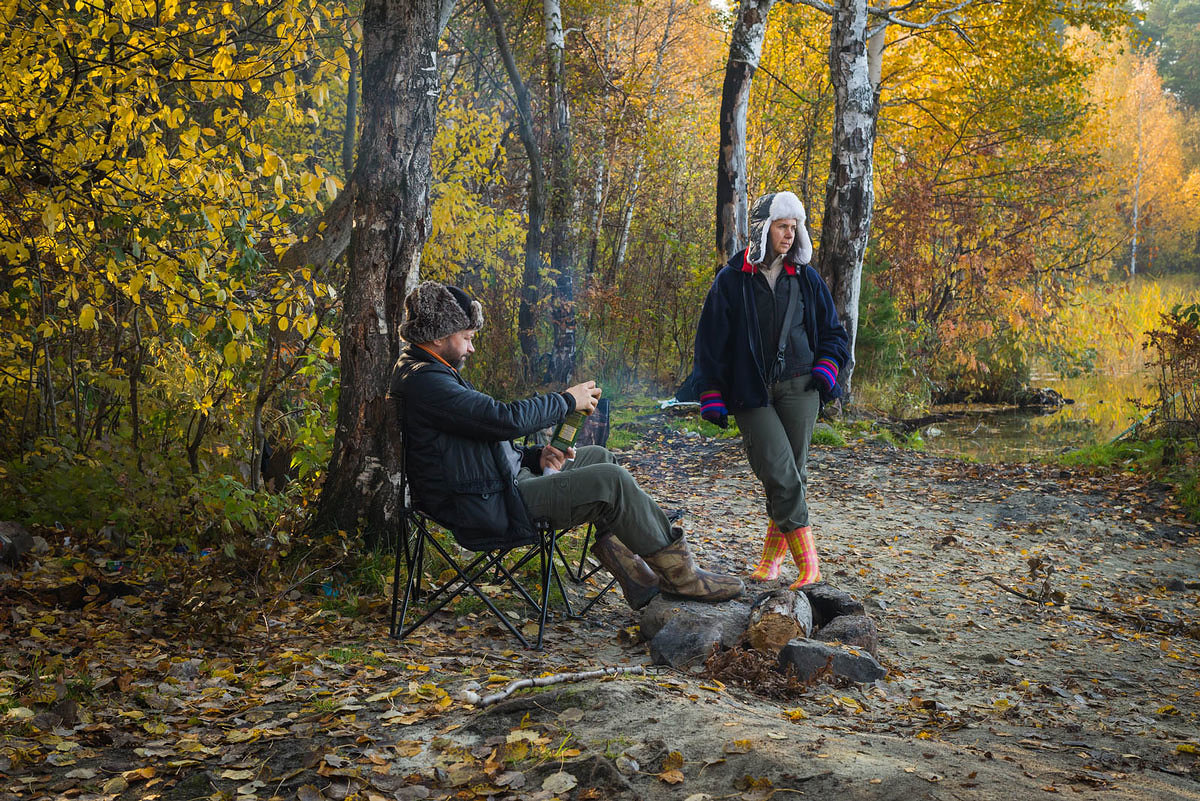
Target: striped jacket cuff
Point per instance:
(827, 371)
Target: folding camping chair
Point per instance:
(419, 532)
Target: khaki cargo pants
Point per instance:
(776, 438)
(593, 488)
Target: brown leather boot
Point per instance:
(637, 580)
(678, 574)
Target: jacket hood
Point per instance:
(778, 206)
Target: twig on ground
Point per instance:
(1179, 627)
(472, 697)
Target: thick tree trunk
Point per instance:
(562, 202)
(531, 275)
(745, 50)
(391, 222)
(849, 193)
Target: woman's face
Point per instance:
(781, 235)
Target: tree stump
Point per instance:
(778, 617)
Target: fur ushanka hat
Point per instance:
(778, 206)
(433, 311)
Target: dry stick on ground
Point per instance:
(474, 698)
(1169, 627)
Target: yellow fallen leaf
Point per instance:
(671, 776)
(115, 785)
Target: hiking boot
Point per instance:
(774, 552)
(804, 551)
(678, 574)
(637, 580)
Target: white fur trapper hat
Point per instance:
(778, 206)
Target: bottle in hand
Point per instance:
(568, 430)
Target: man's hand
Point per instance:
(586, 396)
(554, 459)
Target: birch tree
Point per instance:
(745, 52)
(562, 201)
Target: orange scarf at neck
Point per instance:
(436, 356)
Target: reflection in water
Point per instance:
(1104, 407)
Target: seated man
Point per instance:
(468, 475)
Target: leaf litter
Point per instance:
(178, 681)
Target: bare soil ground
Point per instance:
(1041, 628)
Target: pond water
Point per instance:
(1105, 406)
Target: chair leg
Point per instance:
(548, 542)
(468, 577)
(577, 574)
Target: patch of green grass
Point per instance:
(872, 431)
(701, 426)
(1169, 459)
(829, 437)
(372, 572)
(1125, 455)
(622, 437)
(350, 654)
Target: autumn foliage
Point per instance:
(161, 158)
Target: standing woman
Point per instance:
(768, 349)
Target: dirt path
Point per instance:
(989, 695)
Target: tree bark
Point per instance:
(562, 202)
(778, 617)
(391, 222)
(350, 133)
(531, 275)
(745, 50)
(849, 192)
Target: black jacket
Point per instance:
(728, 351)
(456, 450)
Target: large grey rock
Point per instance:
(857, 630)
(685, 641)
(15, 542)
(730, 616)
(829, 602)
(808, 657)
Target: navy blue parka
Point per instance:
(728, 354)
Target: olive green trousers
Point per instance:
(593, 488)
(776, 438)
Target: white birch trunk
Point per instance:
(854, 67)
(745, 51)
(562, 267)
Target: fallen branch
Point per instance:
(1166, 626)
(473, 698)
